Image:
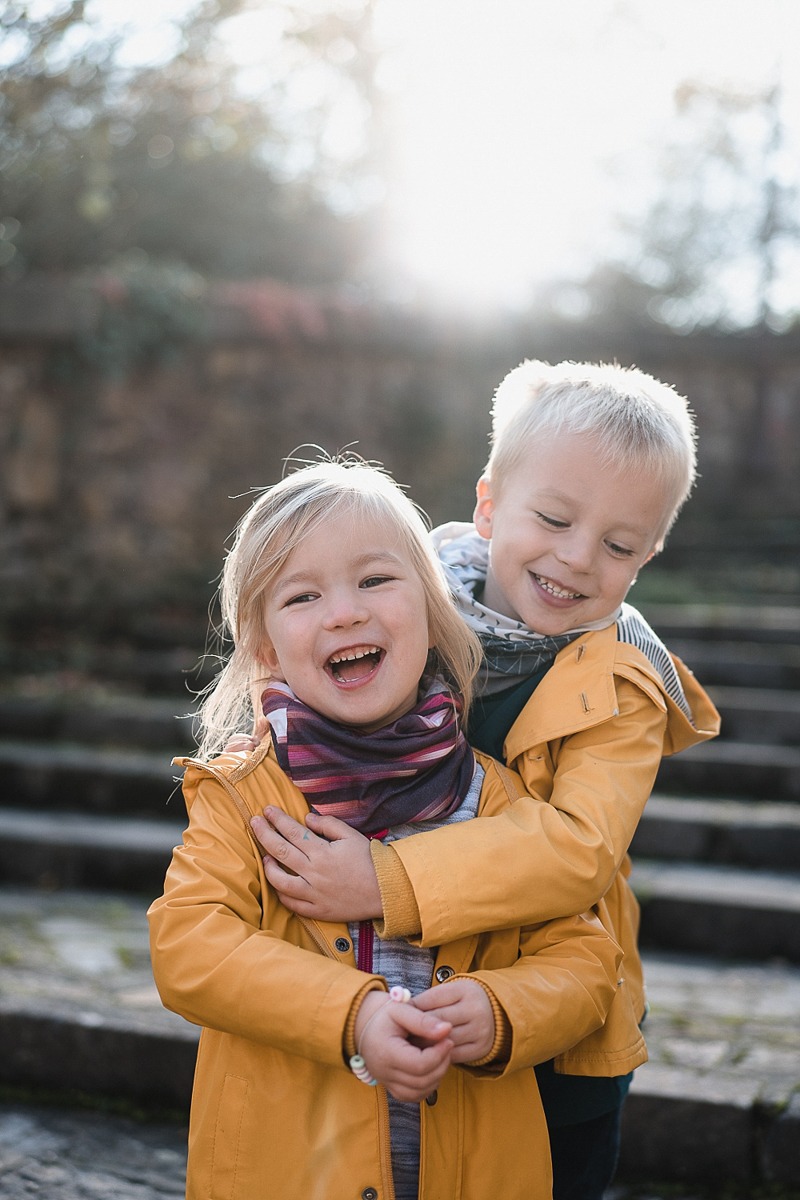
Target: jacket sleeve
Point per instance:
(221, 962)
(556, 850)
(558, 991)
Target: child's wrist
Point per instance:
(349, 1034)
(357, 1063)
(500, 1049)
(400, 916)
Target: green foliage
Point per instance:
(149, 313)
(175, 160)
(721, 231)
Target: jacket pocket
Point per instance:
(227, 1137)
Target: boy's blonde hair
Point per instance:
(639, 423)
(275, 524)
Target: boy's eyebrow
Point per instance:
(553, 494)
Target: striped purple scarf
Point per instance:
(416, 768)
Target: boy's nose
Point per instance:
(575, 552)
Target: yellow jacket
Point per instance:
(588, 744)
(275, 1110)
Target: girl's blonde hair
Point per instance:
(639, 423)
(275, 524)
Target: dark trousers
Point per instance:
(585, 1156)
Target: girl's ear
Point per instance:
(269, 658)
(484, 508)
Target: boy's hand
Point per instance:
(410, 1070)
(242, 743)
(465, 1006)
(322, 869)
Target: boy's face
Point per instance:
(568, 535)
(346, 623)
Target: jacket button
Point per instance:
(431, 1100)
(444, 973)
(369, 1194)
(342, 945)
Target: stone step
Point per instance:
(90, 852)
(717, 1102)
(754, 770)
(767, 624)
(722, 832)
(99, 717)
(740, 663)
(77, 778)
(751, 714)
(73, 849)
(720, 911)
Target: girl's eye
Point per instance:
(302, 598)
(375, 581)
(552, 522)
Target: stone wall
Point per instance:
(117, 493)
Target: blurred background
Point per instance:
(231, 228)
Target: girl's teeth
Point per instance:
(346, 667)
(353, 655)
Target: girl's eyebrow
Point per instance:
(369, 558)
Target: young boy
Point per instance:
(589, 467)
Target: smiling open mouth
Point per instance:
(556, 591)
(352, 665)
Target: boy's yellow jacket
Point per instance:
(276, 1111)
(587, 745)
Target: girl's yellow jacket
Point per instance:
(276, 1112)
(587, 746)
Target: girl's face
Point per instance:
(346, 623)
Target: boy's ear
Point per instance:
(484, 507)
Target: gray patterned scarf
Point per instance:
(510, 649)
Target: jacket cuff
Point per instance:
(401, 916)
(500, 1051)
(349, 1035)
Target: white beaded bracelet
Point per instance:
(400, 995)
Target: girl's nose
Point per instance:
(345, 610)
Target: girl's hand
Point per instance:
(464, 1005)
(322, 869)
(409, 1069)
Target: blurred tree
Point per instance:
(721, 235)
(180, 160)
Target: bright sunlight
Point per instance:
(518, 131)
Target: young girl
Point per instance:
(346, 639)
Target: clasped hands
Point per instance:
(407, 1047)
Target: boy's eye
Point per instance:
(621, 551)
(552, 521)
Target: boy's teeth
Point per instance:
(557, 591)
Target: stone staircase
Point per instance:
(90, 809)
